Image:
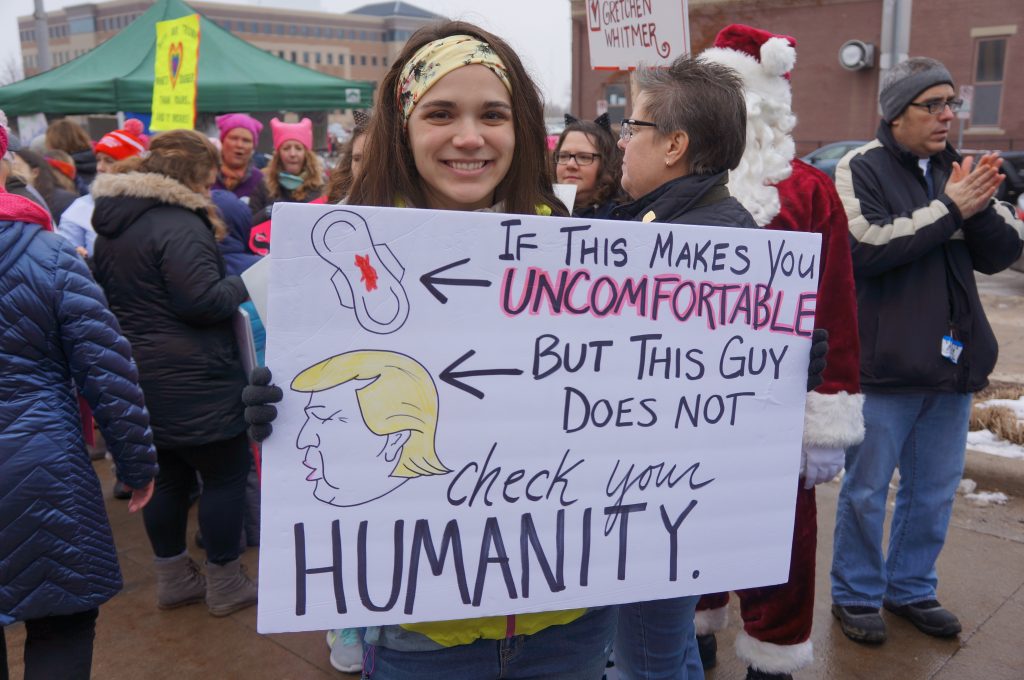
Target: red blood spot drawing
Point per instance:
(369, 274)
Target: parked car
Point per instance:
(827, 157)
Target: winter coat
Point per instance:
(694, 199)
(234, 246)
(914, 259)
(157, 259)
(85, 170)
(76, 224)
(59, 201)
(252, 189)
(57, 553)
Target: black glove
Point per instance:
(819, 348)
(258, 397)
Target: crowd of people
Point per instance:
(119, 274)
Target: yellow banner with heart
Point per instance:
(176, 69)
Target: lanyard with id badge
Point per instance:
(951, 347)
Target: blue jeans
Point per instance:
(657, 641)
(925, 434)
(574, 651)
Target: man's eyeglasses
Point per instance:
(626, 130)
(937, 106)
(582, 158)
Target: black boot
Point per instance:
(754, 674)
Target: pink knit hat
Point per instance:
(301, 132)
(230, 121)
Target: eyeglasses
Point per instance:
(626, 130)
(937, 106)
(581, 158)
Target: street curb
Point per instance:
(995, 473)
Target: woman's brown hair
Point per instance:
(68, 136)
(609, 179)
(340, 181)
(186, 157)
(390, 175)
(44, 182)
(312, 177)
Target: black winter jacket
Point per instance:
(695, 199)
(914, 260)
(157, 259)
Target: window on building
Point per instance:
(989, 66)
(362, 60)
(293, 29)
(374, 61)
(351, 35)
(293, 56)
(318, 57)
(351, 60)
(254, 27)
(280, 53)
(267, 28)
(279, 29)
(330, 58)
(362, 35)
(385, 59)
(305, 57)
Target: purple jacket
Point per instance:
(252, 190)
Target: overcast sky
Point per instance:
(538, 29)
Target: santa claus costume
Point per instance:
(786, 194)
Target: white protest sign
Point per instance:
(625, 33)
(490, 414)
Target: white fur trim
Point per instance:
(771, 658)
(148, 185)
(778, 57)
(772, 87)
(711, 620)
(833, 420)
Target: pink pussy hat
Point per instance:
(301, 132)
(230, 121)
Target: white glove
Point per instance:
(819, 465)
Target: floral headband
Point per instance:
(437, 59)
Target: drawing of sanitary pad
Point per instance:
(368, 277)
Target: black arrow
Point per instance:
(431, 282)
(451, 376)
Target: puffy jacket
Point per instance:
(157, 260)
(694, 199)
(914, 260)
(57, 553)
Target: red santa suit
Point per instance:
(787, 194)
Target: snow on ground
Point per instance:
(984, 499)
(986, 442)
(1015, 405)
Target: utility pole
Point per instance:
(45, 59)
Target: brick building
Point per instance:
(978, 41)
(357, 45)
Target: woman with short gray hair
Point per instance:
(687, 132)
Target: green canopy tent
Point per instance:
(233, 76)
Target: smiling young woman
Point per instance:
(445, 138)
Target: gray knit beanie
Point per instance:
(906, 80)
